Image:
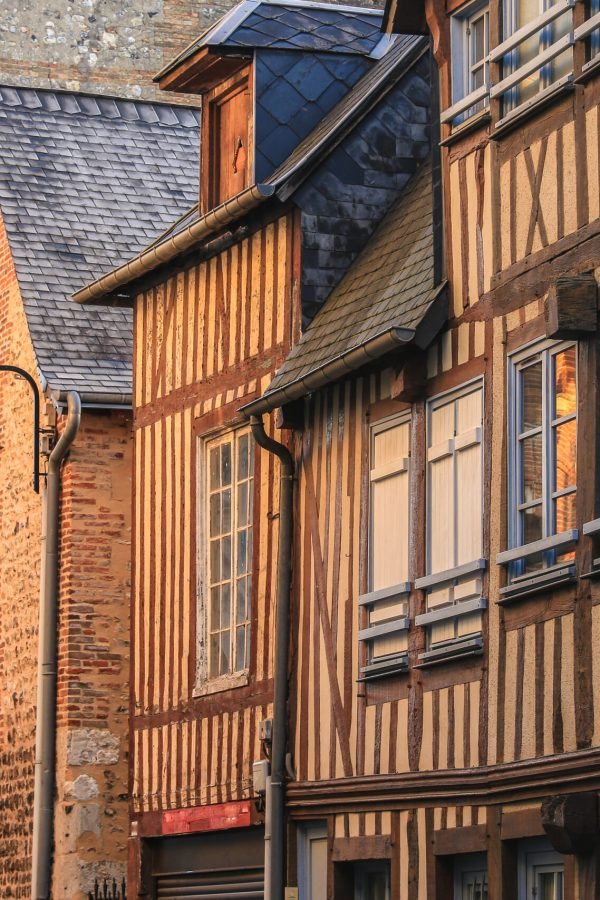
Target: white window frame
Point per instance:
(458, 575)
(551, 543)
(308, 832)
(238, 676)
(471, 866)
(468, 100)
(536, 856)
(373, 600)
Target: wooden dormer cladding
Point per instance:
(226, 143)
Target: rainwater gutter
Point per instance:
(168, 249)
(45, 744)
(275, 835)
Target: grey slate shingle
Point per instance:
(85, 183)
(390, 284)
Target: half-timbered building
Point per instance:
(313, 124)
(446, 677)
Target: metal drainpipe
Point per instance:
(45, 742)
(275, 849)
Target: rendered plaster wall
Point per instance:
(104, 46)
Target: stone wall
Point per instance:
(20, 531)
(92, 741)
(104, 46)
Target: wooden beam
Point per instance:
(572, 307)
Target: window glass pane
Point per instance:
(242, 565)
(564, 513)
(226, 464)
(565, 382)
(531, 403)
(531, 468)
(565, 454)
(215, 515)
(242, 503)
(240, 647)
(226, 558)
(241, 600)
(532, 524)
(214, 466)
(226, 507)
(215, 561)
(243, 457)
(214, 655)
(477, 29)
(225, 652)
(215, 608)
(225, 606)
(549, 886)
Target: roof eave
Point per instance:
(111, 285)
(339, 367)
(406, 17)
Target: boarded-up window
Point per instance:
(226, 165)
(386, 601)
(454, 516)
(226, 563)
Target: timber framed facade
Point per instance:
(423, 329)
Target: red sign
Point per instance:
(207, 818)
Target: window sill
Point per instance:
(224, 683)
(545, 580)
(453, 650)
(396, 666)
(562, 542)
(452, 611)
(467, 127)
(448, 575)
(531, 107)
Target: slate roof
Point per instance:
(65, 161)
(290, 25)
(390, 285)
(330, 129)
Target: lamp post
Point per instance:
(36, 420)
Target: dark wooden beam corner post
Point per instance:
(571, 307)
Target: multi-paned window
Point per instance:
(542, 459)
(470, 37)
(470, 877)
(226, 567)
(386, 600)
(453, 583)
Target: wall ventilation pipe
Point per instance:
(275, 848)
(45, 738)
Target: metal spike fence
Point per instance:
(108, 890)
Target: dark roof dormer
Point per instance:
(268, 72)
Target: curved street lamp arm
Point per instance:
(36, 420)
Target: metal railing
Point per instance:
(513, 76)
(108, 889)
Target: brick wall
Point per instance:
(95, 548)
(105, 46)
(91, 814)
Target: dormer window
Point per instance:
(226, 147)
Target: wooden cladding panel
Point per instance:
(202, 323)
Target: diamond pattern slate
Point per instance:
(311, 28)
(389, 284)
(85, 183)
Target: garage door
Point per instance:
(229, 885)
(226, 865)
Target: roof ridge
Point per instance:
(94, 104)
